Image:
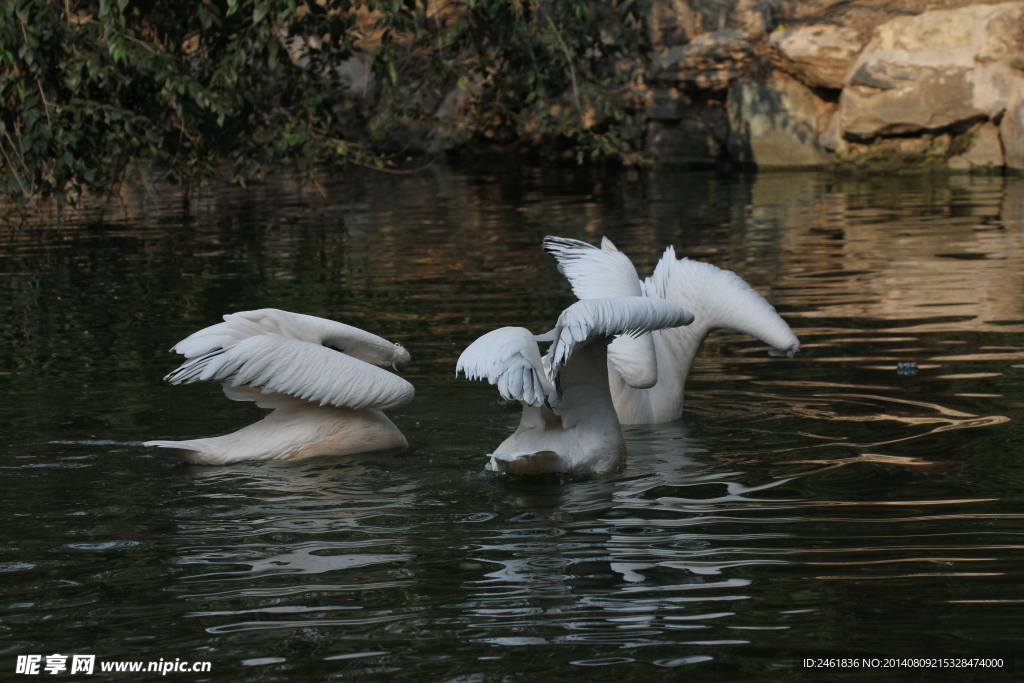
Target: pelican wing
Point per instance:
(308, 371)
(265, 401)
(236, 327)
(509, 358)
(591, 319)
(607, 272)
(594, 273)
(721, 299)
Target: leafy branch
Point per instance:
(254, 86)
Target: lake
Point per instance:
(862, 500)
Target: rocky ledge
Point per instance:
(888, 86)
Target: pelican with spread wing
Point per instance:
(318, 377)
(648, 372)
(569, 422)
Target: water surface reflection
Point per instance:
(821, 505)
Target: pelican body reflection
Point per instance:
(535, 566)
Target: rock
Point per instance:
(668, 104)
(831, 138)
(985, 151)
(958, 163)
(355, 76)
(897, 154)
(777, 123)
(711, 61)
(927, 99)
(818, 55)
(935, 70)
(677, 22)
(681, 143)
(672, 22)
(696, 138)
(755, 17)
(1011, 134)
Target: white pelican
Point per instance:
(648, 373)
(314, 374)
(569, 423)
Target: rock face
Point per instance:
(711, 61)
(673, 22)
(702, 48)
(1011, 133)
(677, 22)
(755, 17)
(777, 123)
(889, 85)
(984, 150)
(680, 130)
(941, 89)
(690, 142)
(935, 70)
(897, 154)
(819, 55)
(876, 104)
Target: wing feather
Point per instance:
(307, 371)
(594, 273)
(721, 299)
(508, 358)
(237, 327)
(592, 319)
(607, 272)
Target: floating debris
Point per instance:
(909, 368)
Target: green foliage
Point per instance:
(88, 87)
(548, 68)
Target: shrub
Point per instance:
(252, 86)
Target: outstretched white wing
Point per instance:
(307, 328)
(591, 319)
(607, 272)
(594, 273)
(509, 358)
(301, 369)
(721, 299)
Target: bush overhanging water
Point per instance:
(89, 89)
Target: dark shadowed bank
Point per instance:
(92, 92)
(90, 89)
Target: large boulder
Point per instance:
(711, 61)
(818, 55)
(777, 123)
(982, 150)
(936, 70)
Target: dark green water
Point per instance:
(820, 506)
